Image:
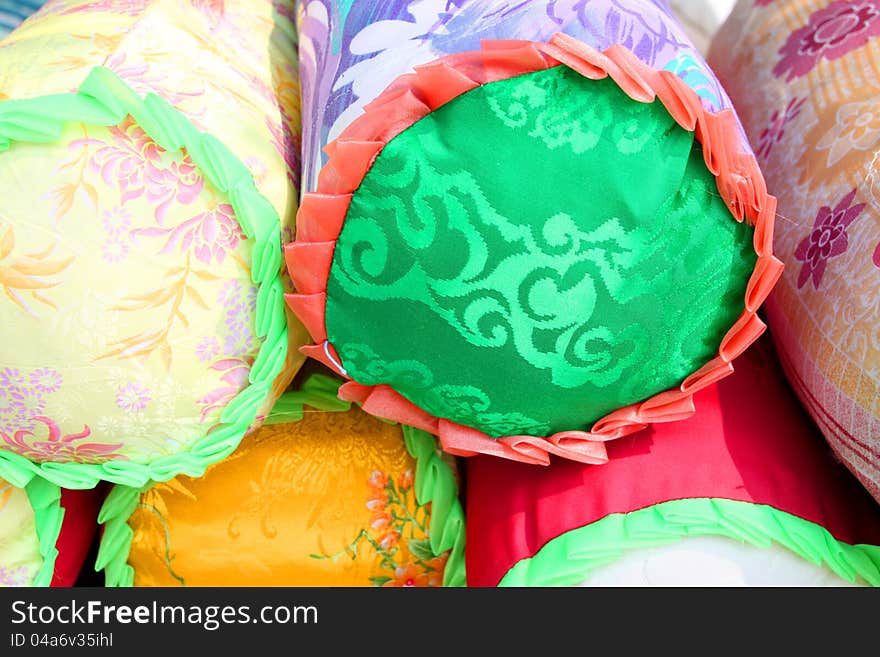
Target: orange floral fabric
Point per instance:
(327, 501)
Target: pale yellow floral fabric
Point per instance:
(125, 282)
(805, 78)
(20, 558)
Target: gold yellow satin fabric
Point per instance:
(327, 501)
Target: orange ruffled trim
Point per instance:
(413, 96)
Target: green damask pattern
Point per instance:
(535, 254)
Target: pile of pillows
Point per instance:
(282, 281)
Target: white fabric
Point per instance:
(700, 18)
(713, 561)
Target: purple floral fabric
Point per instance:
(351, 50)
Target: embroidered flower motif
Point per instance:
(23, 396)
(19, 406)
(378, 480)
(58, 448)
(380, 521)
(856, 127)
(46, 379)
(234, 378)
(11, 376)
(774, 132)
(209, 236)
(133, 162)
(405, 480)
(389, 539)
(132, 397)
(408, 575)
(129, 161)
(207, 349)
(181, 182)
(827, 240)
(398, 534)
(831, 32)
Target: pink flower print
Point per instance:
(139, 77)
(114, 249)
(235, 379)
(827, 240)
(46, 380)
(132, 398)
(774, 132)
(832, 32)
(58, 448)
(116, 222)
(181, 182)
(877, 255)
(207, 349)
(209, 235)
(129, 161)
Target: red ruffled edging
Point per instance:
(413, 96)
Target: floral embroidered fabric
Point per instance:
(332, 499)
(130, 285)
(805, 74)
(467, 289)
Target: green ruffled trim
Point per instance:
(434, 482)
(104, 99)
(570, 557)
(45, 499)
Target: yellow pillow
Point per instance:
(30, 522)
(148, 175)
(334, 499)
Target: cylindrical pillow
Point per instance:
(805, 77)
(549, 235)
(148, 174)
(746, 492)
(335, 498)
(45, 532)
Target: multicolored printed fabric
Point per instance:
(805, 75)
(351, 51)
(129, 283)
